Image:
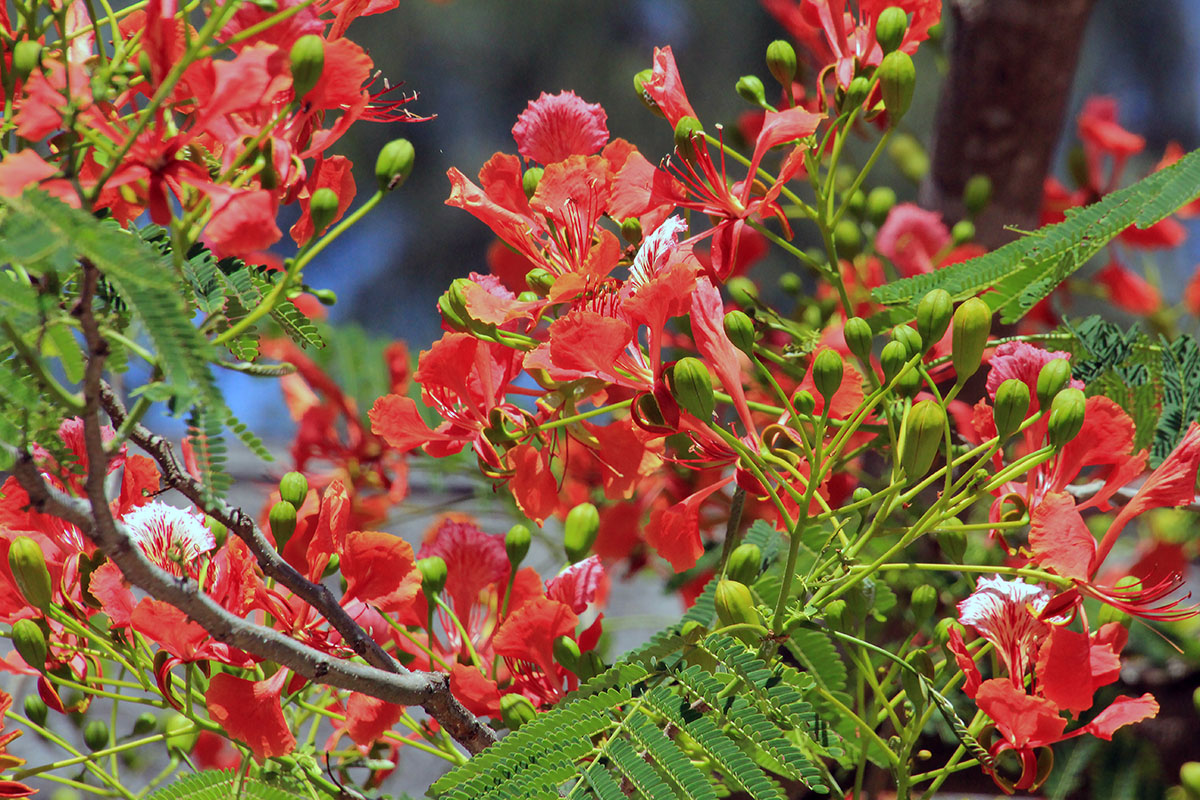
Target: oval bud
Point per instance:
(910, 157)
(890, 28)
(804, 403)
(859, 340)
(827, 373)
(540, 280)
(1055, 375)
(1189, 778)
(924, 433)
(433, 575)
(962, 232)
(735, 604)
(95, 735)
(1066, 416)
(909, 384)
(590, 665)
(908, 336)
(861, 495)
(308, 62)
(566, 652)
(742, 291)
(744, 563)
(972, 326)
(395, 164)
(740, 330)
(892, 359)
(30, 643)
(35, 709)
(516, 544)
(1012, 406)
(856, 94)
(181, 733)
(791, 283)
(144, 724)
(924, 602)
(579, 531)
(953, 542)
(631, 231)
(977, 193)
(326, 297)
(323, 207)
(879, 204)
(28, 567)
(933, 316)
(920, 660)
(530, 181)
(293, 488)
(847, 238)
(897, 80)
(751, 89)
(283, 523)
(941, 631)
(450, 315)
(781, 61)
(27, 56)
(689, 134)
(691, 386)
(516, 710)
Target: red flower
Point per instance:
(554, 127)
(250, 712)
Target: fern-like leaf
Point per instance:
(670, 758)
(638, 772)
(216, 784)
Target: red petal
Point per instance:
(579, 584)
(554, 127)
(1023, 720)
(1064, 670)
(1060, 539)
(397, 420)
(169, 627)
(378, 568)
(708, 329)
(665, 87)
(675, 532)
(533, 485)
(475, 691)
(587, 341)
(474, 561)
(1123, 711)
(368, 718)
(250, 712)
(962, 657)
(528, 634)
(332, 526)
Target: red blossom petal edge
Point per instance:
(554, 127)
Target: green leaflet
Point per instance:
(1025, 271)
(217, 784)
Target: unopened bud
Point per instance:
(1067, 412)
(751, 89)
(804, 403)
(735, 604)
(326, 297)
(740, 330)
(631, 230)
(28, 567)
(856, 94)
(219, 532)
(892, 359)
(433, 575)
(1012, 406)
(744, 563)
(890, 28)
(879, 204)
(579, 531)
(861, 495)
(30, 643)
(530, 180)
(323, 207)
(910, 156)
(1189, 778)
(908, 336)
(181, 733)
(827, 373)
(27, 56)
(962, 232)
(977, 193)
(691, 386)
(95, 735)
(516, 710)
(835, 614)
(972, 326)
(516, 544)
(283, 523)
(859, 340)
(293, 488)
(35, 709)
(941, 631)
(1054, 376)
(742, 291)
(897, 80)
(933, 316)
(924, 432)
(144, 724)
(639, 86)
(687, 131)
(308, 62)
(847, 238)
(924, 602)
(953, 542)
(540, 280)
(781, 62)
(566, 652)
(395, 164)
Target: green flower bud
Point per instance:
(144, 724)
(516, 544)
(283, 523)
(30, 643)
(977, 193)
(892, 359)
(781, 62)
(528, 297)
(941, 631)
(908, 336)
(579, 531)
(1189, 778)
(924, 433)
(953, 542)
(1066, 416)
(631, 231)
(28, 567)
(879, 204)
(27, 56)
(691, 386)
(433, 575)
(897, 80)
(804, 403)
(648, 410)
(540, 280)
(847, 238)
(95, 735)
(910, 157)
(972, 326)
(530, 181)
(751, 89)
(1054, 376)
(323, 208)
(890, 28)
(856, 94)
(933, 316)
(308, 62)
(859, 339)
(858, 602)
(860, 494)
(735, 604)
(740, 330)
(827, 373)
(450, 314)
(181, 732)
(924, 602)
(909, 384)
(1012, 406)
(742, 291)
(516, 710)
(744, 563)
(590, 665)
(35, 709)
(639, 86)
(857, 202)
(962, 232)
(326, 297)
(566, 652)
(689, 135)
(293, 488)
(395, 164)
(791, 283)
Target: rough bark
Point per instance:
(1001, 109)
